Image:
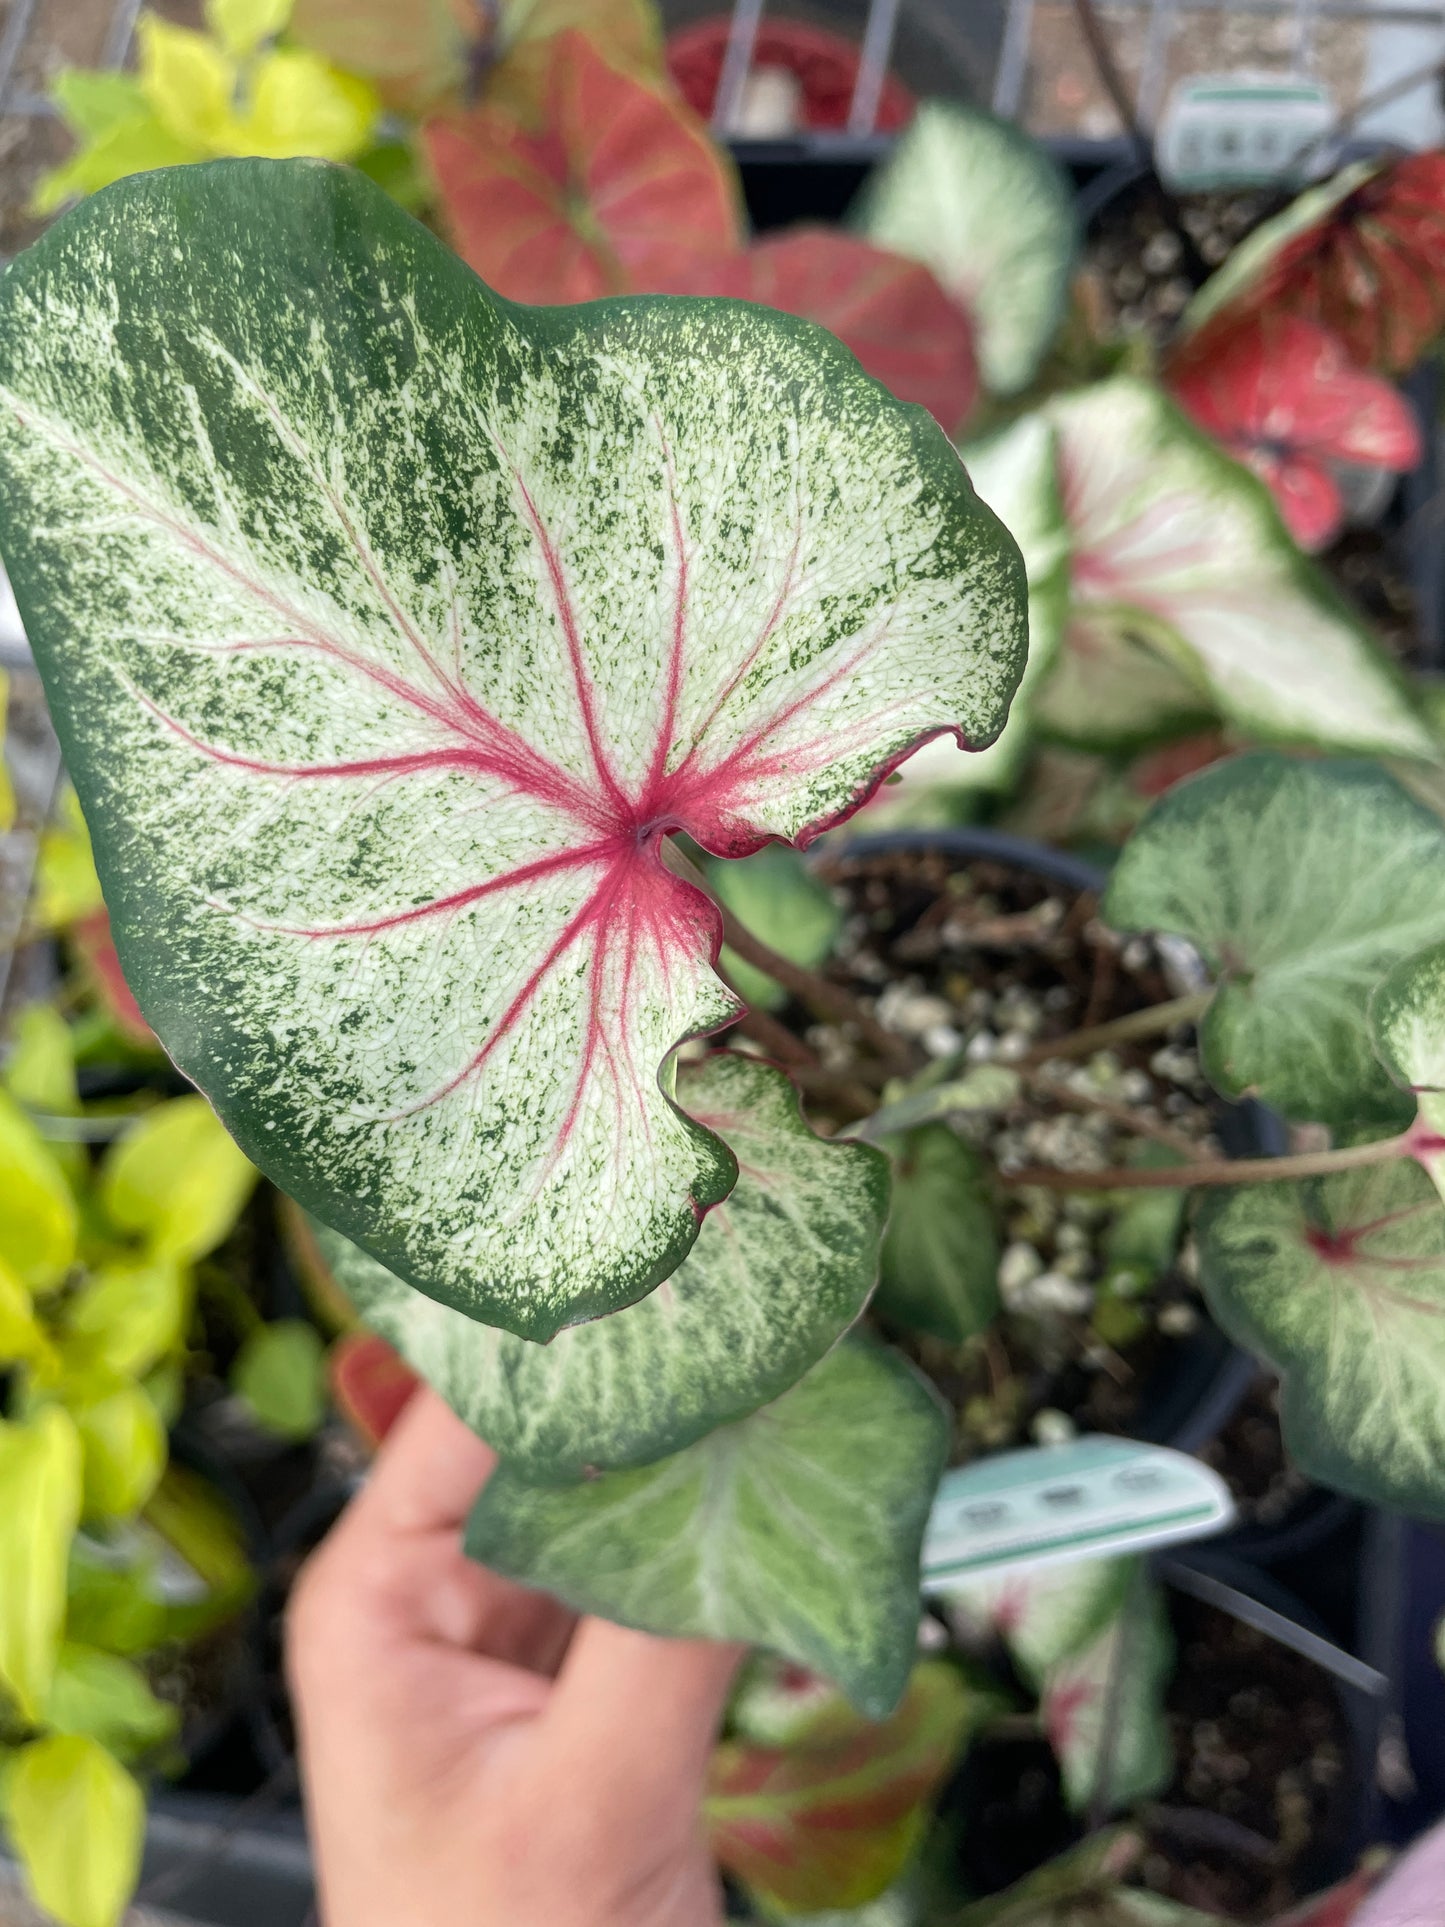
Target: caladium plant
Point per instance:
(1282, 396)
(380, 745)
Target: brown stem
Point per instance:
(1307, 1164)
(775, 1038)
(825, 999)
(1124, 1116)
(1151, 1022)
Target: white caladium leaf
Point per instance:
(1407, 1023)
(1302, 884)
(779, 1271)
(992, 214)
(1339, 1283)
(1016, 472)
(1121, 1752)
(388, 629)
(1187, 595)
(798, 1529)
(1043, 1614)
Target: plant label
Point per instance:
(1239, 130)
(1093, 1497)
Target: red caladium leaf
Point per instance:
(92, 938)
(830, 1821)
(621, 185)
(1363, 255)
(1336, 1908)
(370, 1383)
(439, 615)
(1281, 395)
(892, 313)
(824, 64)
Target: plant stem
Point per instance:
(1121, 1030)
(1097, 42)
(1178, 1177)
(1124, 1116)
(825, 999)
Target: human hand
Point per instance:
(472, 1754)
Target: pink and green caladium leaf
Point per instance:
(1113, 1755)
(1043, 1614)
(1339, 1283)
(831, 1820)
(388, 629)
(1407, 1023)
(1302, 884)
(780, 1270)
(1188, 596)
(992, 214)
(798, 1529)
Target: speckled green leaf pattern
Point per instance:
(1115, 1754)
(1407, 1024)
(1302, 883)
(1339, 1283)
(798, 1529)
(779, 1271)
(991, 213)
(1187, 593)
(388, 628)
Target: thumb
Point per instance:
(635, 1717)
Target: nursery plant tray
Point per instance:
(1095, 1496)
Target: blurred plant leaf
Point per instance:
(1043, 1614)
(40, 1070)
(40, 1484)
(1082, 1888)
(776, 896)
(940, 1251)
(280, 1373)
(371, 1383)
(176, 1179)
(66, 886)
(241, 25)
(108, 1698)
(123, 1440)
(77, 1821)
(126, 1315)
(1103, 1707)
(23, 1339)
(39, 1224)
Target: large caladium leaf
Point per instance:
(432, 51)
(1280, 394)
(1339, 1283)
(1103, 1708)
(1363, 255)
(890, 311)
(831, 1820)
(798, 1529)
(779, 1271)
(1301, 883)
(388, 628)
(991, 213)
(1179, 555)
(619, 186)
(1043, 1614)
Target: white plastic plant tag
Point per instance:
(1239, 130)
(1095, 1496)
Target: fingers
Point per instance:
(633, 1718)
(429, 1471)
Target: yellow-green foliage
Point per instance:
(196, 96)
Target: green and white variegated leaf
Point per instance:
(389, 627)
(779, 1271)
(991, 213)
(1016, 472)
(939, 1265)
(1187, 594)
(1302, 884)
(1043, 1614)
(798, 1529)
(1407, 1023)
(1339, 1283)
(1103, 1708)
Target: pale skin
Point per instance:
(471, 1752)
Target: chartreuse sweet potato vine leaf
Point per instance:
(1188, 596)
(389, 628)
(831, 1820)
(779, 1271)
(993, 216)
(77, 1820)
(1302, 883)
(1340, 1283)
(798, 1528)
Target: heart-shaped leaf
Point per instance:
(823, 64)
(431, 51)
(380, 748)
(1188, 595)
(1301, 883)
(940, 1257)
(831, 1822)
(619, 187)
(890, 311)
(779, 1271)
(1043, 1614)
(1279, 393)
(798, 1529)
(1363, 255)
(77, 1820)
(992, 214)
(1339, 1283)
(1103, 1708)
